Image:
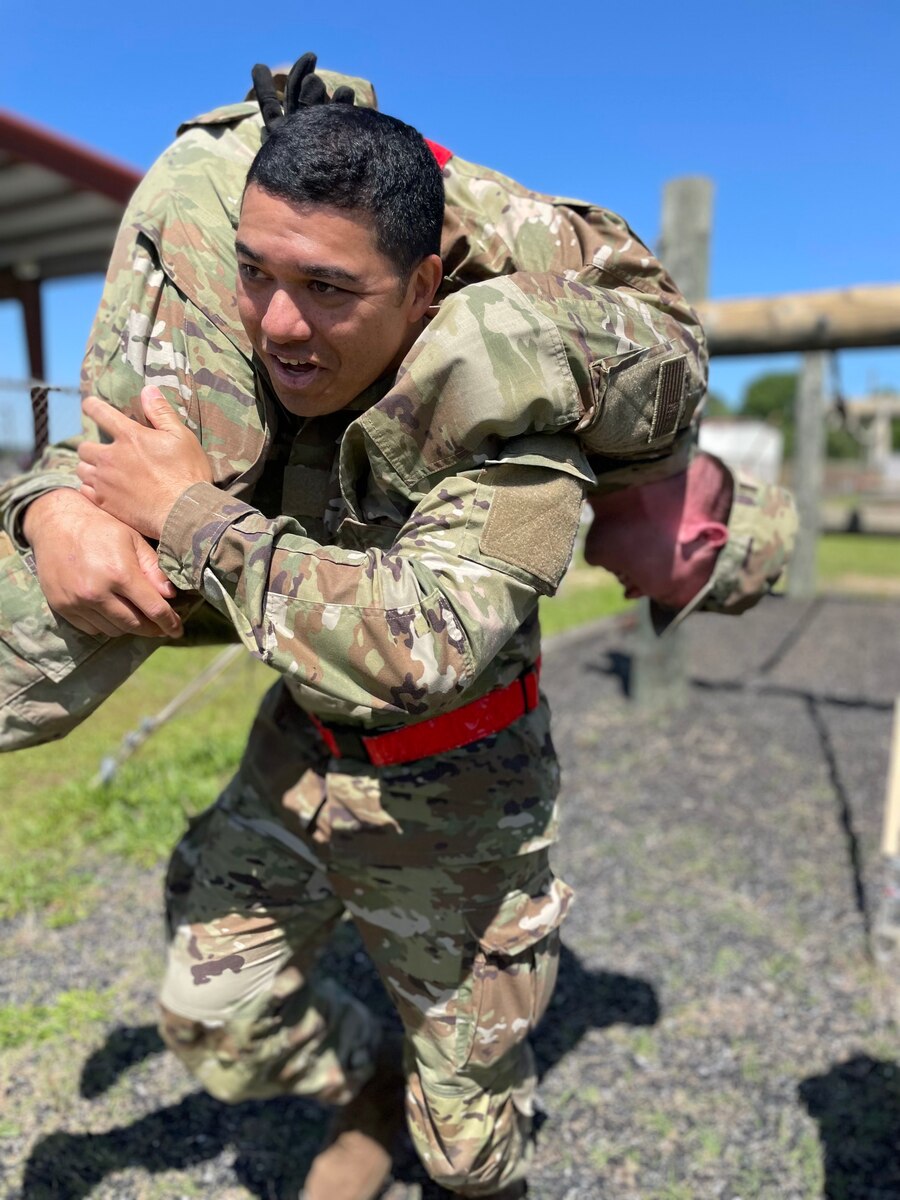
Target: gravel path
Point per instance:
(718, 1030)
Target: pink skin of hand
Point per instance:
(97, 573)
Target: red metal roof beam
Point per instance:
(84, 167)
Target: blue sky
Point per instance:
(790, 107)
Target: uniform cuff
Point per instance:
(196, 521)
(20, 497)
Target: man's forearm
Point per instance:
(40, 510)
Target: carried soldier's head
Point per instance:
(338, 251)
(707, 538)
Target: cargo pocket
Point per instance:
(31, 631)
(515, 958)
(51, 674)
(639, 402)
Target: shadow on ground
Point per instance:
(274, 1141)
(857, 1108)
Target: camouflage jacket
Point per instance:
(403, 571)
(168, 313)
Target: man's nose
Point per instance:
(284, 320)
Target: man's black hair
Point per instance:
(360, 160)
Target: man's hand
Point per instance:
(96, 572)
(139, 475)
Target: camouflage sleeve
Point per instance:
(46, 476)
(411, 619)
(462, 492)
(628, 375)
(621, 318)
(147, 332)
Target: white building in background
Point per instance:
(874, 417)
(753, 446)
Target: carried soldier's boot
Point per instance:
(356, 1161)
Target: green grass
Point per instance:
(57, 822)
(841, 554)
(580, 601)
(69, 1014)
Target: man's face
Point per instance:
(639, 535)
(325, 310)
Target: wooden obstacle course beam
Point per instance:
(867, 315)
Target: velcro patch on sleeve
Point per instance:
(533, 520)
(669, 398)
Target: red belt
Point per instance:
(465, 725)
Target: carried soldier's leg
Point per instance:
(52, 675)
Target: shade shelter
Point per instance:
(60, 208)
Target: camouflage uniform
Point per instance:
(389, 568)
(168, 316)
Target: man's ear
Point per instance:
(706, 537)
(424, 282)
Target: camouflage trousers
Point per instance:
(443, 866)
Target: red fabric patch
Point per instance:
(441, 153)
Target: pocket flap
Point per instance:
(522, 918)
(640, 401)
(31, 629)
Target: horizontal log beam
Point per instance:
(867, 315)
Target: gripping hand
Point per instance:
(304, 89)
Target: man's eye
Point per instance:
(249, 272)
(322, 288)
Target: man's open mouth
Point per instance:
(293, 370)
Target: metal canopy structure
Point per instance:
(60, 203)
(60, 207)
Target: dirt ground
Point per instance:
(718, 1030)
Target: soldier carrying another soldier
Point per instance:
(401, 769)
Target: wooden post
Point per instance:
(685, 234)
(809, 469)
(658, 674)
(881, 440)
(890, 830)
(30, 298)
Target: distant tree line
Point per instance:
(770, 398)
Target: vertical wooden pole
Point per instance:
(809, 470)
(685, 234)
(30, 299)
(658, 674)
(890, 831)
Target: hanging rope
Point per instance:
(40, 419)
